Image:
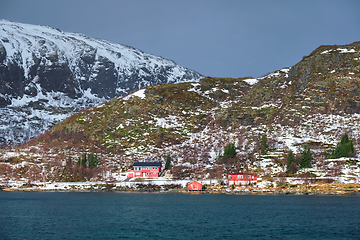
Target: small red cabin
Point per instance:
(241, 178)
(194, 186)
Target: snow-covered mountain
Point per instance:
(47, 74)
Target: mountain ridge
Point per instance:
(309, 105)
(40, 64)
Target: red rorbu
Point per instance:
(145, 169)
(241, 178)
(194, 186)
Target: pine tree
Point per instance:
(306, 157)
(264, 144)
(344, 148)
(82, 160)
(230, 151)
(168, 161)
(93, 161)
(291, 163)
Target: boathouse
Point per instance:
(194, 186)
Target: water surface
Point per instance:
(117, 215)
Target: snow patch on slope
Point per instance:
(140, 93)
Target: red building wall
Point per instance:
(144, 172)
(235, 178)
(194, 186)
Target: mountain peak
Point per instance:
(38, 64)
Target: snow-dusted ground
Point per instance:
(20, 122)
(199, 150)
(98, 184)
(42, 41)
(27, 46)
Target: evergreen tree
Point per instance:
(264, 144)
(230, 151)
(168, 161)
(82, 161)
(344, 148)
(93, 161)
(291, 163)
(306, 157)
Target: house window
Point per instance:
(229, 176)
(241, 176)
(238, 176)
(252, 177)
(248, 177)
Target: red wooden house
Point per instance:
(145, 169)
(194, 186)
(241, 178)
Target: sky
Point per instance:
(219, 38)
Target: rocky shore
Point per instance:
(315, 189)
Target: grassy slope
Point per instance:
(312, 103)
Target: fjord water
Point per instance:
(116, 215)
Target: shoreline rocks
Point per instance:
(325, 189)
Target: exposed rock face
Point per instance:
(2, 53)
(38, 62)
(329, 76)
(323, 62)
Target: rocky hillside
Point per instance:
(46, 74)
(311, 104)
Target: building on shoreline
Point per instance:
(194, 186)
(241, 178)
(145, 170)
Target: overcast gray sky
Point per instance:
(222, 38)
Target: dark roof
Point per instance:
(147, 164)
(241, 173)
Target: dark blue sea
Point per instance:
(117, 215)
